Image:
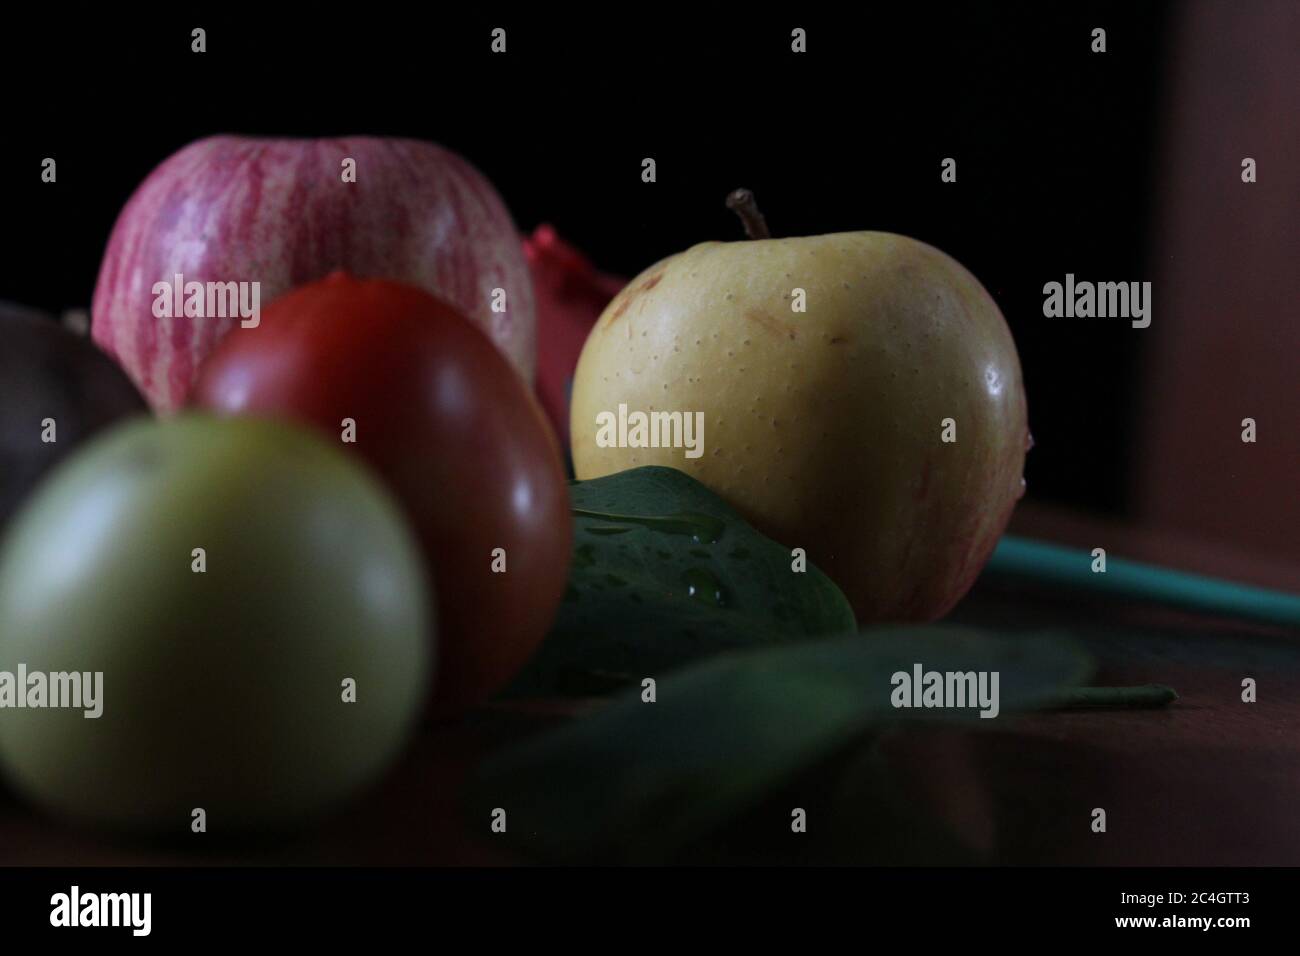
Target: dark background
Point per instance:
(1056, 147)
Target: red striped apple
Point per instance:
(281, 213)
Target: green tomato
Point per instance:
(226, 672)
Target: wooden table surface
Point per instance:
(1209, 780)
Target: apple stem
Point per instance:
(741, 202)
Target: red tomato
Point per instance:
(443, 417)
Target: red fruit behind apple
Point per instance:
(280, 212)
(571, 294)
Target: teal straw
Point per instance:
(1133, 579)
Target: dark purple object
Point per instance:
(51, 375)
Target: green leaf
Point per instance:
(639, 781)
(665, 572)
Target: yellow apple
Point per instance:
(859, 394)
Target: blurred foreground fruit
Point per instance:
(284, 212)
(422, 395)
(56, 390)
(861, 397)
(222, 689)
